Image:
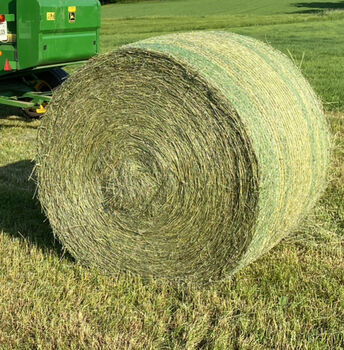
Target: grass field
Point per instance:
(292, 298)
(169, 8)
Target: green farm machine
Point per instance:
(38, 38)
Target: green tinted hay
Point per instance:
(184, 156)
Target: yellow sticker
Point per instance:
(72, 17)
(72, 9)
(50, 16)
(11, 38)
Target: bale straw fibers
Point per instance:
(183, 156)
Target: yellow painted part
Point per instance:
(41, 110)
(41, 84)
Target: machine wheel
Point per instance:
(46, 81)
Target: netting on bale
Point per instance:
(183, 156)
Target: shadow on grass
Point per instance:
(316, 7)
(12, 116)
(20, 211)
(7, 111)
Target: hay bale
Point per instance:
(185, 156)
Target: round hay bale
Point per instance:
(185, 156)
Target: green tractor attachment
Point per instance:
(38, 38)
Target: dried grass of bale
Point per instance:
(184, 156)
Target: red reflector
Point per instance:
(2, 18)
(7, 67)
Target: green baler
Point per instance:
(37, 38)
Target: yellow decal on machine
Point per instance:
(11, 38)
(72, 17)
(72, 9)
(51, 16)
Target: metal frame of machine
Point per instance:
(37, 36)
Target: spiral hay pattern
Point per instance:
(184, 156)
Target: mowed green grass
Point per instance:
(292, 298)
(169, 8)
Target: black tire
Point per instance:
(49, 80)
(54, 77)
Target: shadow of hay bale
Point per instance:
(20, 212)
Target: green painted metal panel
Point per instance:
(8, 49)
(8, 53)
(7, 6)
(60, 31)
